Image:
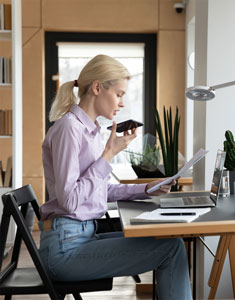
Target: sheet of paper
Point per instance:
(156, 216)
(199, 155)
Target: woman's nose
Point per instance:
(121, 103)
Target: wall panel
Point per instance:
(31, 12)
(169, 18)
(33, 99)
(28, 33)
(171, 74)
(102, 15)
(37, 184)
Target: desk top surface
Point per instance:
(220, 220)
(181, 180)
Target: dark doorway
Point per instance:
(149, 40)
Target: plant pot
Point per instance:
(147, 174)
(232, 181)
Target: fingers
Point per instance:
(165, 188)
(114, 128)
(133, 131)
(125, 133)
(173, 182)
(168, 186)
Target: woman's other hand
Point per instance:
(115, 143)
(164, 189)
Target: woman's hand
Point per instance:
(115, 143)
(164, 189)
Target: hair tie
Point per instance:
(75, 83)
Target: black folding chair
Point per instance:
(35, 280)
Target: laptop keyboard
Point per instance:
(197, 200)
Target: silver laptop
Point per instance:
(202, 200)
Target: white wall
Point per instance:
(215, 64)
(189, 104)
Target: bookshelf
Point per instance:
(15, 38)
(5, 85)
(5, 35)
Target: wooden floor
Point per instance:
(123, 287)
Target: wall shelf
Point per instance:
(15, 37)
(5, 85)
(5, 35)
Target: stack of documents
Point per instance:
(198, 156)
(168, 215)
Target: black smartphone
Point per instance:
(126, 125)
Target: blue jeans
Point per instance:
(73, 251)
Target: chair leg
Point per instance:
(154, 297)
(110, 222)
(137, 278)
(77, 297)
(154, 285)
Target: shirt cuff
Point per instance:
(139, 191)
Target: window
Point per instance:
(65, 56)
(74, 56)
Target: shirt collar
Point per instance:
(92, 127)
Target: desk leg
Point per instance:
(232, 261)
(218, 263)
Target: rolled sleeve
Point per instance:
(118, 192)
(102, 167)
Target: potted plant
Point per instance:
(145, 163)
(229, 164)
(169, 140)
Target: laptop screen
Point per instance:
(219, 165)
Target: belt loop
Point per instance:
(47, 225)
(53, 224)
(95, 225)
(84, 225)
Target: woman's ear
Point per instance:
(96, 87)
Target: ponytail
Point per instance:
(63, 101)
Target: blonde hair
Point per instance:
(103, 68)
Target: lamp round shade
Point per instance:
(200, 93)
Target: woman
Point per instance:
(77, 171)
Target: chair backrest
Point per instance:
(16, 204)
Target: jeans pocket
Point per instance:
(71, 235)
(70, 238)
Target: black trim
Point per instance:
(150, 41)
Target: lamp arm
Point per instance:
(219, 86)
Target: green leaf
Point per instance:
(161, 139)
(170, 140)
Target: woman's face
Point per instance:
(109, 102)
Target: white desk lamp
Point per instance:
(204, 93)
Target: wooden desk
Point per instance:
(219, 221)
(182, 181)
